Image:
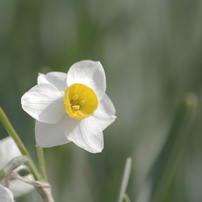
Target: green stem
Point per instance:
(19, 143)
(11, 165)
(125, 179)
(42, 164)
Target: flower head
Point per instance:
(71, 107)
(8, 151)
(5, 194)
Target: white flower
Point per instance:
(5, 194)
(71, 107)
(8, 151)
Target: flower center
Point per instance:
(80, 101)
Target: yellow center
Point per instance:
(80, 101)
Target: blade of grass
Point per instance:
(156, 183)
(169, 158)
(125, 179)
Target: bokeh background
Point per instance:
(152, 55)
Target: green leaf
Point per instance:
(125, 180)
(172, 152)
(126, 198)
(12, 165)
(160, 176)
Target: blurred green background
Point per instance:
(152, 55)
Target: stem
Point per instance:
(43, 188)
(42, 164)
(125, 179)
(19, 143)
(11, 165)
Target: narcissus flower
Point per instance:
(5, 194)
(71, 107)
(8, 151)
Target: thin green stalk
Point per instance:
(19, 143)
(125, 179)
(42, 164)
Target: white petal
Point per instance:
(105, 108)
(20, 188)
(44, 103)
(89, 73)
(87, 136)
(6, 195)
(57, 79)
(102, 123)
(104, 115)
(8, 151)
(50, 135)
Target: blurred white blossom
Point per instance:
(8, 151)
(5, 194)
(71, 107)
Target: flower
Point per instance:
(8, 151)
(71, 107)
(5, 194)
